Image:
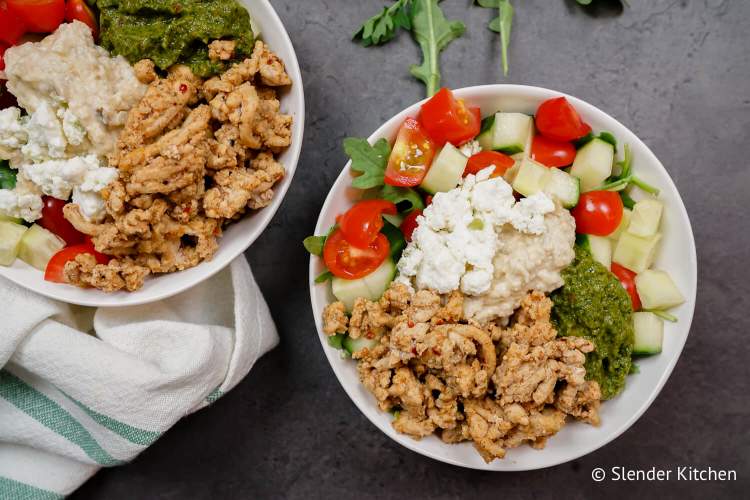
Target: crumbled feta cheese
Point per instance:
(24, 201)
(81, 175)
(72, 128)
(13, 133)
(470, 148)
(457, 236)
(46, 139)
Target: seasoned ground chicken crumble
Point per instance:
(498, 387)
(194, 155)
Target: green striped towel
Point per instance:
(82, 389)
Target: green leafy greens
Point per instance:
(428, 26)
(501, 24)
(626, 177)
(7, 176)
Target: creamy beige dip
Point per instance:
(525, 262)
(67, 71)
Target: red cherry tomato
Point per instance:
(627, 278)
(77, 10)
(349, 262)
(3, 48)
(557, 119)
(12, 27)
(552, 153)
(362, 223)
(447, 119)
(409, 224)
(56, 265)
(598, 212)
(54, 220)
(428, 200)
(39, 16)
(411, 156)
(484, 159)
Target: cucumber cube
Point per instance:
(509, 133)
(634, 252)
(600, 248)
(446, 170)
(624, 223)
(10, 241)
(649, 333)
(593, 164)
(532, 177)
(38, 246)
(6, 218)
(657, 290)
(563, 187)
(646, 218)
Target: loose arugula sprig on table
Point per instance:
(429, 28)
(501, 24)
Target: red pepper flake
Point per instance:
(437, 351)
(370, 335)
(183, 88)
(439, 322)
(186, 209)
(411, 324)
(414, 351)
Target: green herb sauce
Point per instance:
(174, 31)
(594, 305)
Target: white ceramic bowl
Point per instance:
(238, 236)
(677, 256)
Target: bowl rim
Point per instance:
(533, 92)
(98, 298)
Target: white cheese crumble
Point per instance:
(471, 148)
(24, 201)
(456, 239)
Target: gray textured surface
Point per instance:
(675, 72)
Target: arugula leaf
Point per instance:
(501, 24)
(626, 177)
(314, 244)
(627, 201)
(324, 276)
(335, 341)
(370, 161)
(608, 137)
(433, 33)
(401, 196)
(395, 238)
(7, 176)
(633, 367)
(382, 27)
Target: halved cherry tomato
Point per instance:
(627, 278)
(12, 27)
(349, 262)
(552, 153)
(598, 212)
(40, 16)
(557, 119)
(484, 159)
(77, 10)
(56, 265)
(54, 220)
(3, 48)
(409, 224)
(362, 223)
(411, 156)
(447, 119)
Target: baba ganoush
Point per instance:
(496, 279)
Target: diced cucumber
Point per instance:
(395, 219)
(657, 290)
(531, 178)
(563, 187)
(634, 252)
(593, 164)
(600, 248)
(624, 223)
(512, 172)
(649, 333)
(7, 218)
(509, 133)
(354, 345)
(446, 170)
(38, 246)
(646, 217)
(371, 287)
(485, 134)
(11, 235)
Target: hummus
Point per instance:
(78, 80)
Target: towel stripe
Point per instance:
(132, 434)
(51, 415)
(22, 491)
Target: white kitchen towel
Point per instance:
(82, 389)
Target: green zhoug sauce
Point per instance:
(594, 305)
(174, 31)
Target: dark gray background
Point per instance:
(675, 72)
